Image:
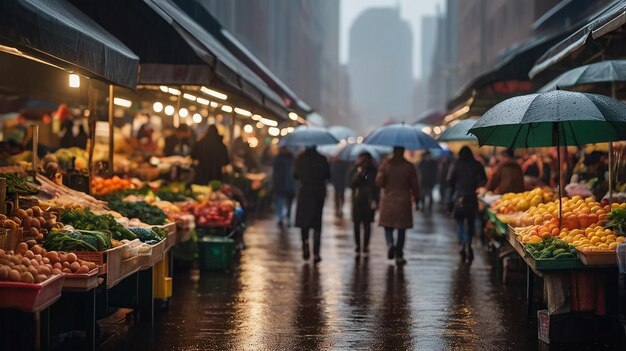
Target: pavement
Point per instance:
(273, 300)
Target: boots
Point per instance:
(306, 254)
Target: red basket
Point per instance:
(31, 297)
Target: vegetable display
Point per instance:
(147, 213)
(104, 186)
(18, 185)
(69, 239)
(617, 220)
(84, 219)
(34, 221)
(146, 235)
(551, 248)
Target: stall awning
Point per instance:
(212, 25)
(57, 33)
(175, 50)
(585, 43)
(508, 77)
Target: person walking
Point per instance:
(427, 171)
(397, 179)
(364, 200)
(211, 156)
(465, 176)
(508, 176)
(312, 171)
(338, 178)
(283, 185)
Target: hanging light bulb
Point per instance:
(157, 107)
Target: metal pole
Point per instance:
(35, 133)
(110, 171)
(555, 129)
(611, 154)
(176, 115)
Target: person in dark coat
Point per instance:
(427, 172)
(397, 179)
(211, 155)
(313, 172)
(364, 200)
(284, 186)
(465, 176)
(339, 178)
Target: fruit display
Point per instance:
(519, 202)
(103, 186)
(84, 219)
(213, 213)
(149, 214)
(551, 248)
(577, 212)
(34, 221)
(593, 238)
(70, 239)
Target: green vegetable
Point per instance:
(144, 211)
(617, 221)
(558, 251)
(18, 185)
(160, 232)
(146, 235)
(84, 219)
(565, 255)
(60, 241)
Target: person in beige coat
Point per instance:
(397, 179)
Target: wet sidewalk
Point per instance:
(275, 301)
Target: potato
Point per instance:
(44, 270)
(14, 275)
(4, 273)
(15, 259)
(26, 223)
(32, 270)
(57, 265)
(33, 232)
(37, 250)
(40, 278)
(25, 262)
(31, 244)
(2, 217)
(83, 269)
(29, 212)
(38, 257)
(71, 257)
(39, 237)
(27, 277)
(34, 222)
(63, 257)
(75, 266)
(45, 260)
(20, 213)
(9, 224)
(37, 211)
(56, 271)
(2, 252)
(66, 270)
(42, 221)
(21, 248)
(53, 256)
(34, 262)
(17, 220)
(66, 264)
(29, 254)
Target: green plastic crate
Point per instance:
(215, 253)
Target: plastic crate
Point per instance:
(215, 252)
(569, 328)
(598, 258)
(81, 281)
(118, 268)
(31, 297)
(152, 256)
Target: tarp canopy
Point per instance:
(201, 15)
(594, 41)
(58, 33)
(154, 29)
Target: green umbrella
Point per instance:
(598, 75)
(556, 118)
(459, 132)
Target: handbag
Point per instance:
(458, 206)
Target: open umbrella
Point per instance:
(341, 132)
(350, 152)
(597, 77)
(556, 118)
(308, 136)
(458, 132)
(401, 135)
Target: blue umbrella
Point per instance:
(341, 132)
(402, 135)
(351, 152)
(308, 136)
(459, 132)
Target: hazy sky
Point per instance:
(410, 10)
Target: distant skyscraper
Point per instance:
(380, 66)
(429, 39)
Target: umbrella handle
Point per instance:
(555, 139)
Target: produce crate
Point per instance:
(598, 258)
(31, 297)
(152, 256)
(131, 249)
(80, 282)
(170, 228)
(125, 269)
(215, 252)
(9, 238)
(546, 264)
(563, 328)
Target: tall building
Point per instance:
(429, 40)
(380, 66)
(298, 40)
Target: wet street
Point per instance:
(273, 300)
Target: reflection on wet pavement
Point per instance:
(275, 301)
